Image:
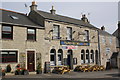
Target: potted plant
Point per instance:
(24, 71)
(21, 71)
(17, 71)
(39, 69)
(8, 68)
(3, 72)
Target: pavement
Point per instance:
(113, 74)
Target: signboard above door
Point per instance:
(75, 43)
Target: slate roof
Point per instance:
(101, 32)
(23, 20)
(115, 55)
(61, 18)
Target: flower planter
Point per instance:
(3, 73)
(39, 71)
(17, 72)
(24, 72)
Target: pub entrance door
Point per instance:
(70, 59)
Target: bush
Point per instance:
(8, 68)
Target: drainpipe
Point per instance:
(99, 48)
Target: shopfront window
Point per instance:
(92, 56)
(87, 56)
(52, 57)
(82, 56)
(60, 56)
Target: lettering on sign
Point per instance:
(75, 43)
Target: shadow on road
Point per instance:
(114, 75)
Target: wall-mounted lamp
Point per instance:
(50, 31)
(73, 32)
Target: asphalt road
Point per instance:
(113, 74)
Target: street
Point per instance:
(108, 74)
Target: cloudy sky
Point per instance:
(100, 13)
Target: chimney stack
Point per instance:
(103, 28)
(53, 10)
(84, 18)
(33, 6)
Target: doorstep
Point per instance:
(10, 74)
(32, 72)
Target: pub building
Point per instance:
(46, 37)
(68, 41)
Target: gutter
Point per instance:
(22, 25)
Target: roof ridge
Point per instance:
(60, 15)
(12, 11)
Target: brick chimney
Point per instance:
(53, 10)
(103, 28)
(33, 6)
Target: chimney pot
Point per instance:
(53, 10)
(84, 18)
(103, 28)
(33, 6)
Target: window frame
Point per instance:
(56, 34)
(31, 34)
(86, 35)
(5, 58)
(3, 32)
(69, 34)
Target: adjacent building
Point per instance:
(107, 47)
(117, 34)
(48, 37)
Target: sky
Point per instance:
(99, 13)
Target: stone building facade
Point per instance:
(48, 37)
(16, 46)
(69, 41)
(107, 47)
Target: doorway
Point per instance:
(31, 60)
(70, 59)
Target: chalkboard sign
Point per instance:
(65, 61)
(74, 61)
(47, 67)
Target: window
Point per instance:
(56, 32)
(53, 57)
(103, 40)
(69, 33)
(86, 35)
(107, 50)
(7, 32)
(82, 56)
(110, 40)
(87, 56)
(60, 56)
(9, 56)
(31, 34)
